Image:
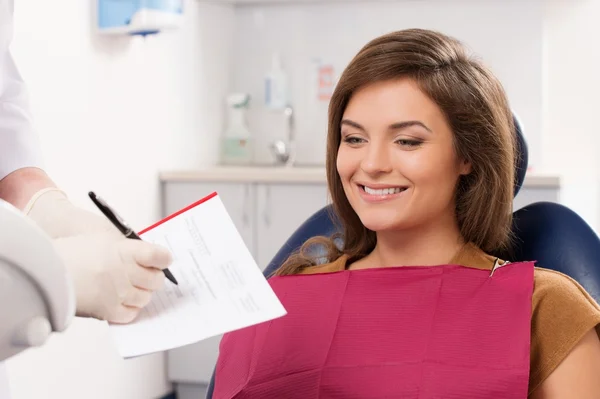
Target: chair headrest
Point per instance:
(522, 155)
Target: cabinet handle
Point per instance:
(266, 213)
(246, 204)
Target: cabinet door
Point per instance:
(238, 199)
(529, 195)
(281, 209)
(195, 363)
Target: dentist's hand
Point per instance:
(114, 276)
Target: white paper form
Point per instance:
(220, 289)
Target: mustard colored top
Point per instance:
(563, 312)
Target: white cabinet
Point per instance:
(281, 209)
(535, 193)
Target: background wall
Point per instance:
(507, 35)
(111, 113)
(571, 139)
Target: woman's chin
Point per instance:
(382, 224)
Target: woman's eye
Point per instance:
(409, 143)
(353, 140)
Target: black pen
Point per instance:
(122, 226)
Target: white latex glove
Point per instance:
(58, 217)
(114, 276)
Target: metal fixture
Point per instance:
(284, 150)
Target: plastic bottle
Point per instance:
(276, 86)
(237, 142)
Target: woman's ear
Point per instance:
(465, 167)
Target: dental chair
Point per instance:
(549, 233)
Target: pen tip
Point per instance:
(170, 276)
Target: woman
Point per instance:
(420, 166)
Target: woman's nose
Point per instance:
(376, 159)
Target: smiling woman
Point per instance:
(420, 165)
(399, 171)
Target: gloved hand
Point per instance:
(114, 276)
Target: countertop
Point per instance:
(296, 174)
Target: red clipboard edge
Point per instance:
(179, 212)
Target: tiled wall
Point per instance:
(506, 34)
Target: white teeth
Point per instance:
(383, 191)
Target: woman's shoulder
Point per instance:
(559, 293)
(554, 285)
(563, 312)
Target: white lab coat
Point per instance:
(19, 146)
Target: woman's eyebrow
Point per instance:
(352, 123)
(405, 124)
(393, 126)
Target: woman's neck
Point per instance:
(430, 245)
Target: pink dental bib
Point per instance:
(403, 332)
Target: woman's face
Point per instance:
(396, 158)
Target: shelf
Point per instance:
(298, 174)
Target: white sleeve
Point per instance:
(19, 145)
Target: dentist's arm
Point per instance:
(21, 164)
(19, 186)
(114, 277)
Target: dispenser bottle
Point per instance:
(276, 86)
(236, 146)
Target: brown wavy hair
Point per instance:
(477, 110)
